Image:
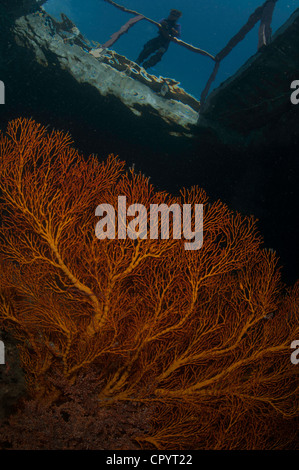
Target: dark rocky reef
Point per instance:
(242, 147)
(15, 8)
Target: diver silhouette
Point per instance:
(159, 45)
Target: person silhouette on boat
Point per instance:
(157, 47)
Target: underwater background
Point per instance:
(208, 25)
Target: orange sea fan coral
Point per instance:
(203, 335)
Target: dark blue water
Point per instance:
(208, 24)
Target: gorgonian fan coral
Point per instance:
(202, 336)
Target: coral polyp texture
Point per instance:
(198, 339)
